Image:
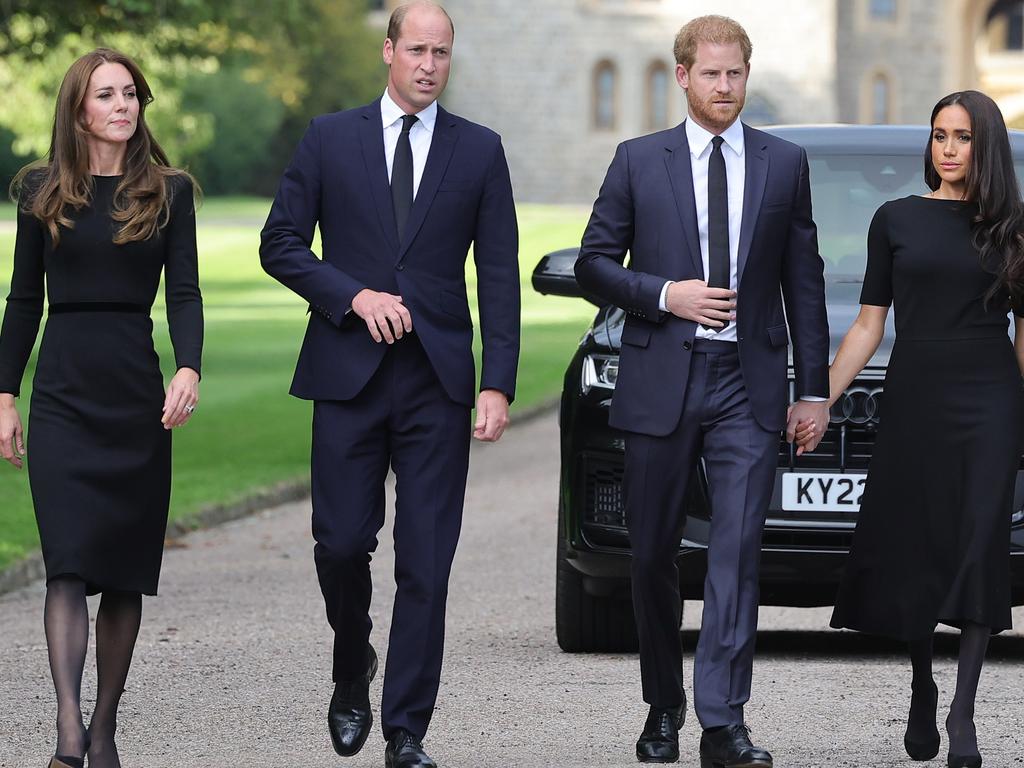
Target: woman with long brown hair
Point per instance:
(932, 538)
(99, 221)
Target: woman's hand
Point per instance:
(182, 397)
(12, 439)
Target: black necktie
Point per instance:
(718, 219)
(401, 176)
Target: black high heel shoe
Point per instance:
(963, 761)
(928, 748)
(70, 761)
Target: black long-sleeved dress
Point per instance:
(99, 459)
(933, 533)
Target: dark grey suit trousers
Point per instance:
(740, 457)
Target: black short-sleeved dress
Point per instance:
(99, 460)
(932, 538)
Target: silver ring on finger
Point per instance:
(189, 408)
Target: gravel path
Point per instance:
(232, 667)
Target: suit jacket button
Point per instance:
(687, 345)
(400, 267)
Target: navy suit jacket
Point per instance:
(338, 179)
(646, 206)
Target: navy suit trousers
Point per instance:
(403, 420)
(740, 459)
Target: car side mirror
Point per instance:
(555, 275)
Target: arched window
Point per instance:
(1005, 26)
(605, 95)
(656, 97)
(880, 99)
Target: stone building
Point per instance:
(564, 81)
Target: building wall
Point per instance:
(525, 68)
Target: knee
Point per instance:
(343, 550)
(648, 563)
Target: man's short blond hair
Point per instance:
(400, 12)
(709, 29)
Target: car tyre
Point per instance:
(590, 623)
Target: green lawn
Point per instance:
(248, 433)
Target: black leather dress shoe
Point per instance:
(349, 717)
(659, 743)
(730, 747)
(405, 751)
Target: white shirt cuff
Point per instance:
(662, 303)
(813, 399)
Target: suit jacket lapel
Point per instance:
(756, 161)
(371, 137)
(441, 145)
(680, 175)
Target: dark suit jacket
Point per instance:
(646, 206)
(338, 178)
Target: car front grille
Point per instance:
(850, 437)
(603, 498)
(844, 447)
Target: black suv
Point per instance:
(854, 169)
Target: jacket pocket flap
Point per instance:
(778, 335)
(636, 335)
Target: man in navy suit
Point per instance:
(400, 189)
(716, 217)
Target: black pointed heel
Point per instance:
(963, 761)
(921, 750)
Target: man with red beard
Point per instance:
(717, 219)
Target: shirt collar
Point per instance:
(391, 113)
(699, 138)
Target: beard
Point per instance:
(706, 112)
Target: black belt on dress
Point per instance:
(97, 306)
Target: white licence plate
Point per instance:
(821, 492)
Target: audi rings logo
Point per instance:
(858, 405)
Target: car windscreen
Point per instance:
(846, 190)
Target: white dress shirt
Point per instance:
(699, 140)
(420, 136)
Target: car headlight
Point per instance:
(599, 371)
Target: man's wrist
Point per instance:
(663, 298)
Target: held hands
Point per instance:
(182, 397)
(384, 314)
(491, 415)
(12, 439)
(806, 423)
(693, 300)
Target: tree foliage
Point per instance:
(234, 81)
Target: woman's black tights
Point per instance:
(66, 619)
(963, 739)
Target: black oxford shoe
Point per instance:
(730, 747)
(405, 751)
(659, 743)
(349, 717)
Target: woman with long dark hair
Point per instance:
(99, 220)
(932, 538)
